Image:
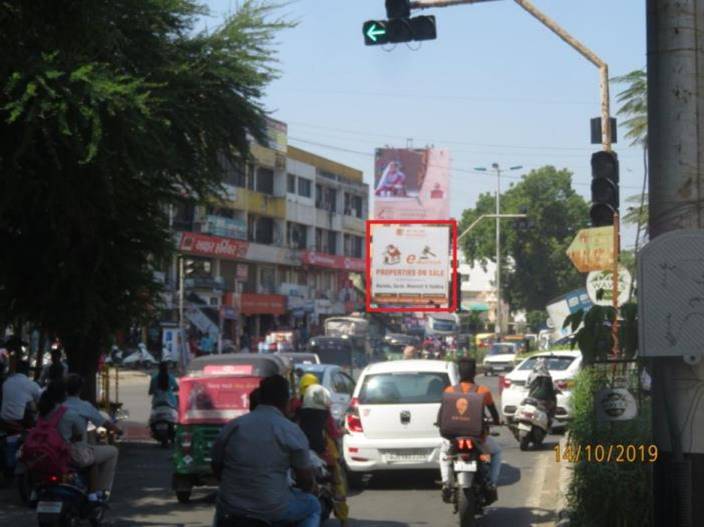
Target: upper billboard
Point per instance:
(277, 133)
(412, 184)
(410, 265)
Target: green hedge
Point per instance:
(608, 494)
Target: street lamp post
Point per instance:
(497, 323)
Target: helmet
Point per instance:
(306, 381)
(317, 397)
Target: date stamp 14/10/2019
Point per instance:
(615, 453)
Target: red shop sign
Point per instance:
(215, 399)
(203, 244)
(254, 304)
(332, 261)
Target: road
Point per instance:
(142, 497)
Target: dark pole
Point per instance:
(676, 156)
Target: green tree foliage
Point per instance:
(536, 319)
(110, 110)
(541, 270)
(633, 102)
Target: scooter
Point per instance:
(468, 478)
(531, 423)
(162, 423)
(62, 500)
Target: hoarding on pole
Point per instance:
(412, 184)
(411, 265)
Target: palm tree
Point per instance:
(634, 107)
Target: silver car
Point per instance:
(339, 383)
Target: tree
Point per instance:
(109, 112)
(634, 106)
(535, 268)
(536, 319)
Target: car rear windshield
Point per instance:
(499, 349)
(403, 388)
(553, 363)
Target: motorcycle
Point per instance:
(62, 500)
(326, 493)
(11, 440)
(162, 423)
(531, 423)
(469, 477)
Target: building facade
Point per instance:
(279, 250)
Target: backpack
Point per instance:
(461, 414)
(45, 451)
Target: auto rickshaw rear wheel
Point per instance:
(183, 496)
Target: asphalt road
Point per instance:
(142, 496)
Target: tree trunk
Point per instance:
(82, 354)
(39, 364)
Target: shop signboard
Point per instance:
(215, 246)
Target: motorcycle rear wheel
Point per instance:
(467, 507)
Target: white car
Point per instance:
(562, 365)
(500, 358)
(392, 415)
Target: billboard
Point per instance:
(412, 184)
(410, 265)
(560, 308)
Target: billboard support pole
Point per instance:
(614, 301)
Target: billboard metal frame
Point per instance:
(452, 224)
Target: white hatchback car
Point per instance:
(562, 365)
(391, 419)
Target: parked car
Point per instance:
(500, 358)
(391, 419)
(340, 384)
(562, 365)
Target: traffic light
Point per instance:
(605, 194)
(398, 8)
(399, 29)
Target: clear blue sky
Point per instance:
(495, 86)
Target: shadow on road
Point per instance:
(500, 517)
(376, 523)
(402, 480)
(509, 475)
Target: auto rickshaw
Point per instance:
(214, 391)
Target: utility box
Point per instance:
(671, 296)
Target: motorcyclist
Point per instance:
(19, 395)
(102, 459)
(163, 387)
(56, 369)
(467, 371)
(541, 387)
(315, 419)
(251, 458)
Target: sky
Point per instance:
(496, 86)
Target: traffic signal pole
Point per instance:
(676, 181)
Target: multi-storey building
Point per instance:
(279, 250)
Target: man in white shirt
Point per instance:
(18, 391)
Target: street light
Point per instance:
(497, 168)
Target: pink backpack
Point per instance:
(45, 451)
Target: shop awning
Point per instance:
(475, 306)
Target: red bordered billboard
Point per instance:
(411, 266)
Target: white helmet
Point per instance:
(317, 397)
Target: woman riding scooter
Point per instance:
(541, 387)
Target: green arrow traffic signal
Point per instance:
(375, 32)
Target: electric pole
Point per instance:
(676, 155)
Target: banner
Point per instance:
(214, 399)
(410, 265)
(412, 184)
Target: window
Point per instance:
(404, 388)
(331, 200)
(554, 363)
(304, 187)
(291, 184)
(340, 384)
(348, 205)
(357, 206)
(260, 230)
(332, 242)
(236, 174)
(357, 246)
(319, 239)
(265, 180)
(297, 235)
(267, 279)
(319, 198)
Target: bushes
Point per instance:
(608, 494)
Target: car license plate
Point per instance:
(162, 426)
(407, 456)
(524, 426)
(49, 507)
(465, 466)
